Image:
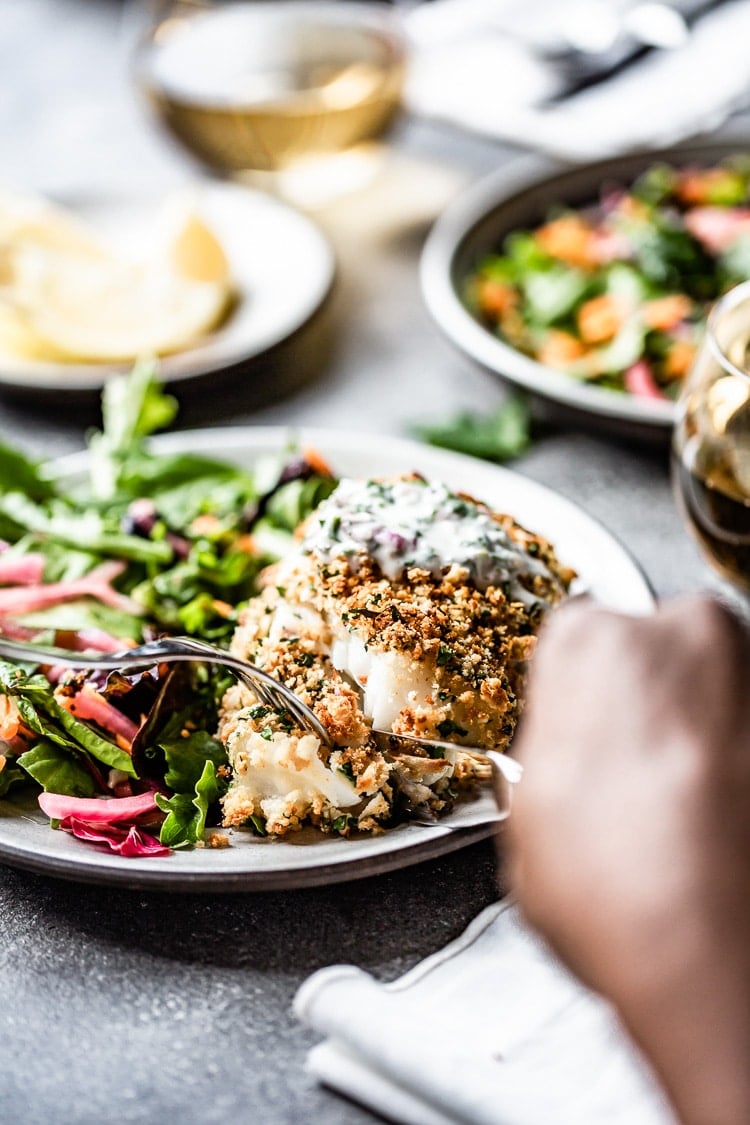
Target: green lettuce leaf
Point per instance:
(186, 813)
(81, 530)
(56, 770)
(217, 490)
(186, 757)
(11, 774)
(85, 614)
(19, 473)
(553, 293)
(294, 501)
(497, 437)
(42, 713)
(133, 406)
(192, 764)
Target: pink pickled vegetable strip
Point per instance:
(81, 641)
(717, 227)
(129, 842)
(98, 640)
(609, 245)
(78, 641)
(23, 570)
(15, 632)
(89, 704)
(639, 380)
(96, 810)
(96, 584)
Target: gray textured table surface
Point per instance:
(132, 1007)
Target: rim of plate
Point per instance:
(219, 350)
(278, 866)
(471, 208)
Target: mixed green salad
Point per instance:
(147, 545)
(616, 293)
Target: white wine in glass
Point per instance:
(271, 89)
(711, 443)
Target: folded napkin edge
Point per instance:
(335, 1065)
(310, 989)
(467, 937)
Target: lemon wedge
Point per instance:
(196, 252)
(35, 222)
(65, 298)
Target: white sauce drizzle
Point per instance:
(409, 523)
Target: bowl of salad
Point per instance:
(590, 287)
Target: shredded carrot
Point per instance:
(665, 312)
(317, 462)
(570, 239)
(245, 544)
(680, 360)
(89, 706)
(633, 208)
(205, 524)
(600, 318)
(10, 719)
(224, 609)
(495, 297)
(560, 349)
(701, 186)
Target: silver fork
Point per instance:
(269, 691)
(171, 650)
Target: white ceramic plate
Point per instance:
(281, 264)
(605, 570)
(517, 197)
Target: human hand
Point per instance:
(630, 833)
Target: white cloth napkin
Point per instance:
(469, 67)
(488, 1031)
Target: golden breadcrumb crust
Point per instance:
(471, 645)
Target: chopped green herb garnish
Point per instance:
(448, 727)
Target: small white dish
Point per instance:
(282, 268)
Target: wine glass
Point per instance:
(711, 444)
(292, 95)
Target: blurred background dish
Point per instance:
(280, 266)
(580, 79)
(520, 198)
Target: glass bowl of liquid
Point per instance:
(293, 95)
(711, 443)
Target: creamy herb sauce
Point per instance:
(408, 523)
